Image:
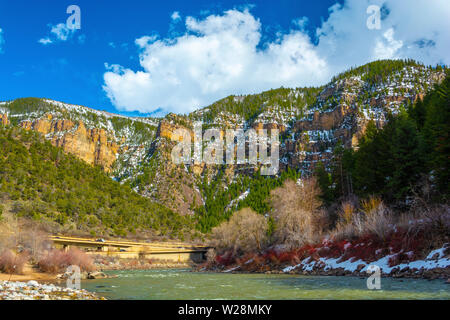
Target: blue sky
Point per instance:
(132, 55)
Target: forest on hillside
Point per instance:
(41, 182)
(408, 157)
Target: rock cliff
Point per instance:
(4, 119)
(94, 146)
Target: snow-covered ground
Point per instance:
(236, 201)
(435, 259)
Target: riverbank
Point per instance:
(32, 290)
(321, 261)
(27, 276)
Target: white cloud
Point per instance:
(216, 57)
(175, 16)
(387, 47)
(301, 22)
(220, 55)
(116, 68)
(145, 40)
(45, 41)
(61, 32)
(2, 41)
(345, 40)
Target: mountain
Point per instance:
(97, 137)
(41, 182)
(313, 122)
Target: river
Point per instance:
(183, 284)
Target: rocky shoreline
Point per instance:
(32, 290)
(431, 274)
(435, 266)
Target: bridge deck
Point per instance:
(156, 247)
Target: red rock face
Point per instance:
(4, 119)
(269, 126)
(91, 145)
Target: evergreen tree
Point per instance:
(370, 162)
(436, 135)
(342, 165)
(406, 161)
(324, 181)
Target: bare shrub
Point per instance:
(433, 222)
(439, 217)
(309, 197)
(5, 239)
(246, 231)
(370, 204)
(375, 219)
(10, 232)
(349, 224)
(293, 228)
(34, 240)
(297, 214)
(348, 211)
(211, 256)
(378, 221)
(57, 260)
(81, 259)
(321, 222)
(11, 262)
(53, 262)
(344, 232)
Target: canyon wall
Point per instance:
(95, 146)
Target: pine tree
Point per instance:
(342, 165)
(324, 181)
(370, 162)
(436, 134)
(406, 159)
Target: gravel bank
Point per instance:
(32, 290)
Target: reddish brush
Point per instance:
(270, 256)
(245, 258)
(288, 256)
(57, 261)
(11, 262)
(226, 259)
(247, 262)
(308, 250)
(401, 257)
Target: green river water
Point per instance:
(183, 284)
